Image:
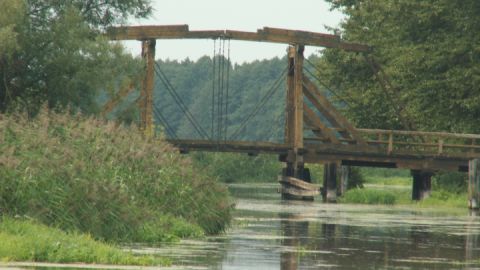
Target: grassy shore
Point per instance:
(394, 188)
(26, 240)
(105, 180)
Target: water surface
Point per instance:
(268, 233)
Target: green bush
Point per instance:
(30, 241)
(455, 182)
(83, 174)
(369, 196)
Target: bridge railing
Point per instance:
(432, 143)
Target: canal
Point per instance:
(268, 233)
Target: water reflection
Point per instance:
(293, 229)
(270, 234)
(319, 243)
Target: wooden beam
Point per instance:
(289, 97)
(298, 97)
(322, 103)
(299, 192)
(297, 183)
(266, 34)
(146, 110)
(231, 146)
(313, 119)
(123, 92)
(146, 32)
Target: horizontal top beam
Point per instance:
(267, 34)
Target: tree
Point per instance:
(52, 51)
(429, 49)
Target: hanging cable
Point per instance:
(221, 71)
(385, 83)
(168, 128)
(260, 104)
(227, 90)
(222, 98)
(327, 87)
(164, 123)
(213, 88)
(179, 101)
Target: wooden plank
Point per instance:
(274, 35)
(231, 146)
(320, 101)
(299, 34)
(299, 192)
(313, 118)
(325, 139)
(146, 32)
(297, 183)
(420, 163)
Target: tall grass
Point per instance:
(83, 174)
(369, 196)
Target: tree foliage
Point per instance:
(51, 51)
(430, 51)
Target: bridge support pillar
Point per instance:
(422, 184)
(474, 184)
(344, 177)
(329, 192)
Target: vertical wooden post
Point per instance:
(294, 102)
(344, 177)
(474, 184)
(294, 116)
(146, 95)
(298, 98)
(422, 184)
(330, 183)
(289, 104)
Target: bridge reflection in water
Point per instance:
(310, 244)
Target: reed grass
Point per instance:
(104, 179)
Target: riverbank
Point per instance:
(27, 240)
(105, 180)
(396, 188)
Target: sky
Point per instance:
(245, 15)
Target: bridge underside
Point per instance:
(348, 155)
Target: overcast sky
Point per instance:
(245, 15)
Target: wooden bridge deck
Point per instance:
(383, 148)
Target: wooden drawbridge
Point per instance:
(333, 140)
